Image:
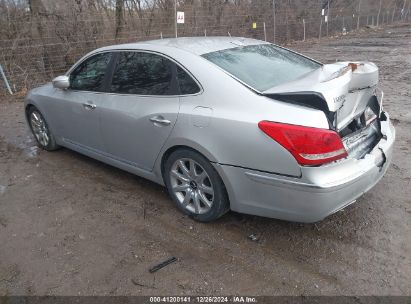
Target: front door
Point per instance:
(77, 110)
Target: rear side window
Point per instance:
(143, 74)
(89, 75)
(186, 82)
(262, 66)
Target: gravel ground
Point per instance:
(70, 225)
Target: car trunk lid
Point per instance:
(342, 90)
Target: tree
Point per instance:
(119, 16)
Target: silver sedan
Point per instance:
(224, 123)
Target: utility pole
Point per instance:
(358, 15)
(274, 20)
(175, 16)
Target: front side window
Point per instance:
(143, 74)
(89, 75)
(262, 66)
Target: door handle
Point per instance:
(160, 120)
(89, 106)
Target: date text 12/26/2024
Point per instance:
(203, 299)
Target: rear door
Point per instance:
(77, 110)
(141, 107)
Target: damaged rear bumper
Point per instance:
(319, 192)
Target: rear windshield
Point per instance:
(262, 66)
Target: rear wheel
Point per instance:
(40, 129)
(195, 186)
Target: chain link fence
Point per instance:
(41, 39)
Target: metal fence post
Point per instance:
(5, 80)
(304, 29)
(321, 24)
(265, 33)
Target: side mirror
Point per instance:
(61, 82)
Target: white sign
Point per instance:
(322, 12)
(326, 19)
(180, 17)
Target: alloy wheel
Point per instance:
(39, 127)
(192, 186)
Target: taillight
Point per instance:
(309, 146)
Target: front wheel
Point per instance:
(195, 186)
(40, 129)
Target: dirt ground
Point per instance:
(70, 225)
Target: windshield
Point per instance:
(262, 66)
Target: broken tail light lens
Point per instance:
(309, 146)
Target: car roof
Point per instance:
(195, 45)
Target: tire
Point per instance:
(198, 192)
(39, 127)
